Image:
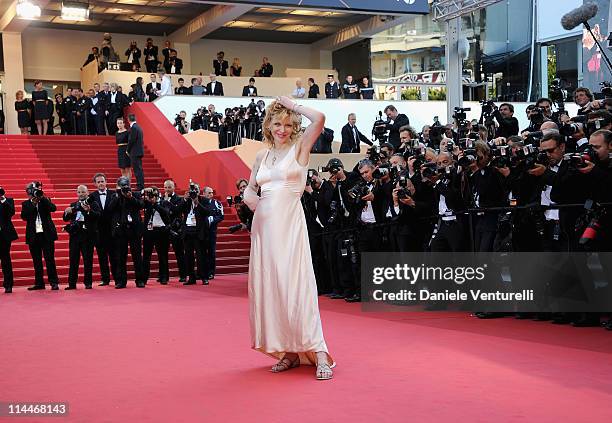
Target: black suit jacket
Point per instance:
(348, 140)
(150, 51)
(135, 147)
(394, 136)
(163, 208)
(88, 229)
(178, 66)
(120, 207)
(204, 209)
(104, 220)
(220, 67)
(175, 203)
(245, 91)
(29, 212)
(218, 88)
(7, 211)
(135, 55)
(149, 90)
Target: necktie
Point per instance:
(355, 137)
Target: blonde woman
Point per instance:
(23, 109)
(284, 310)
(235, 69)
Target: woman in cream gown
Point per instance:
(283, 302)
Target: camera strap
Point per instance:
(346, 212)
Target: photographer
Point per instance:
(452, 196)
(195, 211)
(174, 203)
(310, 203)
(157, 220)
(395, 121)
(339, 244)
(324, 142)
(213, 220)
(40, 234)
(126, 229)
(489, 189)
(82, 216)
(7, 236)
(368, 203)
(508, 124)
(180, 123)
(583, 98)
(133, 54)
(245, 214)
(197, 120)
(212, 119)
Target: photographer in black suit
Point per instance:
(195, 210)
(126, 231)
(213, 221)
(135, 149)
(175, 202)
(104, 243)
(351, 137)
(82, 217)
(40, 234)
(395, 121)
(7, 236)
(157, 221)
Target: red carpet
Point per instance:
(181, 354)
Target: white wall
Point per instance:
(281, 55)
(57, 55)
(336, 112)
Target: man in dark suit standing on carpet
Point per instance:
(214, 87)
(175, 202)
(126, 231)
(7, 236)
(102, 196)
(213, 221)
(135, 150)
(40, 234)
(351, 137)
(82, 216)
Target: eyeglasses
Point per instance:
(242, 186)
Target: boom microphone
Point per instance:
(578, 16)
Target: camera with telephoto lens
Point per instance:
(230, 200)
(606, 88)
(597, 124)
(87, 201)
(379, 129)
(469, 157)
(487, 107)
(194, 191)
(403, 191)
(501, 157)
(35, 190)
(569, 129)
(309, 177)
(429, 170)
(374, 154)
(381, 172)
(578, 160)
(361, 189)
(461, 118)
(331, 169)
(536, 116)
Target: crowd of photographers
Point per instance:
(113, 221)
(473, 186)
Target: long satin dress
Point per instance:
(283, 302)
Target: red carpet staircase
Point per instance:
(63, 162)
